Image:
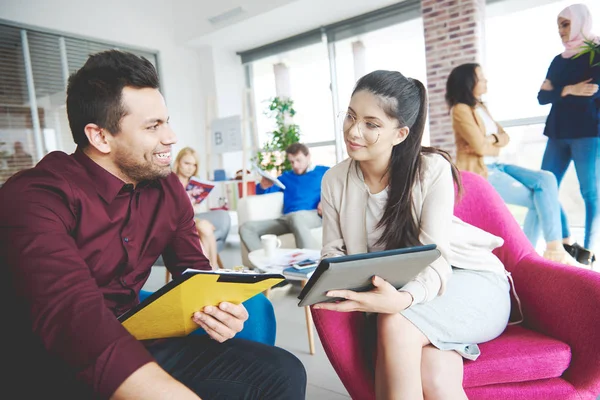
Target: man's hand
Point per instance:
(223, 322)
(319, 209)
(383, 299)
(584, 89)
(265, 183)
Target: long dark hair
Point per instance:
(404, 99)
(460, 85)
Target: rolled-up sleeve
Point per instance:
(66, 308)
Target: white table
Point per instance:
(274, 265)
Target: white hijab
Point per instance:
(581, 28)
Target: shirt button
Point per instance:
(126, 240)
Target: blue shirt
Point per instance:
(571, 117)
(302, 192)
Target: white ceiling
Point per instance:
(192, 16)
(268, 20)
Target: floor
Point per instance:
(323, 383)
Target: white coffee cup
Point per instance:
(269, 244)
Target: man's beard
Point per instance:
(139, 172)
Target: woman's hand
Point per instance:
(382, 299)
(585, 89)
(466, 149)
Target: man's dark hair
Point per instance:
(296, 148)
(94, 91)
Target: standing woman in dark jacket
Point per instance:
(573, 125)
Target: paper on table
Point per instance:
(292, 258)
(264, 174)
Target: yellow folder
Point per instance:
(168, 312)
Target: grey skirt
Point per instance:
(474, 309)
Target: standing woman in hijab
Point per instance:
(573, 124)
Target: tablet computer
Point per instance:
(354, 272)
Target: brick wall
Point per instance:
(453, 36)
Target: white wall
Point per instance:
(139, 23)
(229, 82)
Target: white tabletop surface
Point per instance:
(281, 259)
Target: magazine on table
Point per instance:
(301, 260)
(198, 189)
(304, 273)
(265, 174)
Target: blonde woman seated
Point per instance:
(186, 166)
(393, 193)
(478, 142)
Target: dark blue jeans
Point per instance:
(585, 153)
(236, 369)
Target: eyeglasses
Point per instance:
(368, 130)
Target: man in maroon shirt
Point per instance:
(79, 234)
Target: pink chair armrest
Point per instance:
(343, 336)
(564, 302)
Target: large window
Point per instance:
(399, 47)
(34, 69)
(307, 72)
(321, 74)
(520, 43)
(304, 73)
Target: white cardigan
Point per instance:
(344, 199)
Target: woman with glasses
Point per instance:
(393, 193)
(478, 142)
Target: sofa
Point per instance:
(554, 354)
(264, 207)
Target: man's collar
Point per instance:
(107, 185)
(310, 168)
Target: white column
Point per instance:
(359, 54)
(283, 87)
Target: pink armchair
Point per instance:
(553, 354)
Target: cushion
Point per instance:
(518, 355)
(547, 389)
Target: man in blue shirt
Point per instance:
(301, 202)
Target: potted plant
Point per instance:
(593, 49)
(272, 156)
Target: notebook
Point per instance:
(168, 312)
